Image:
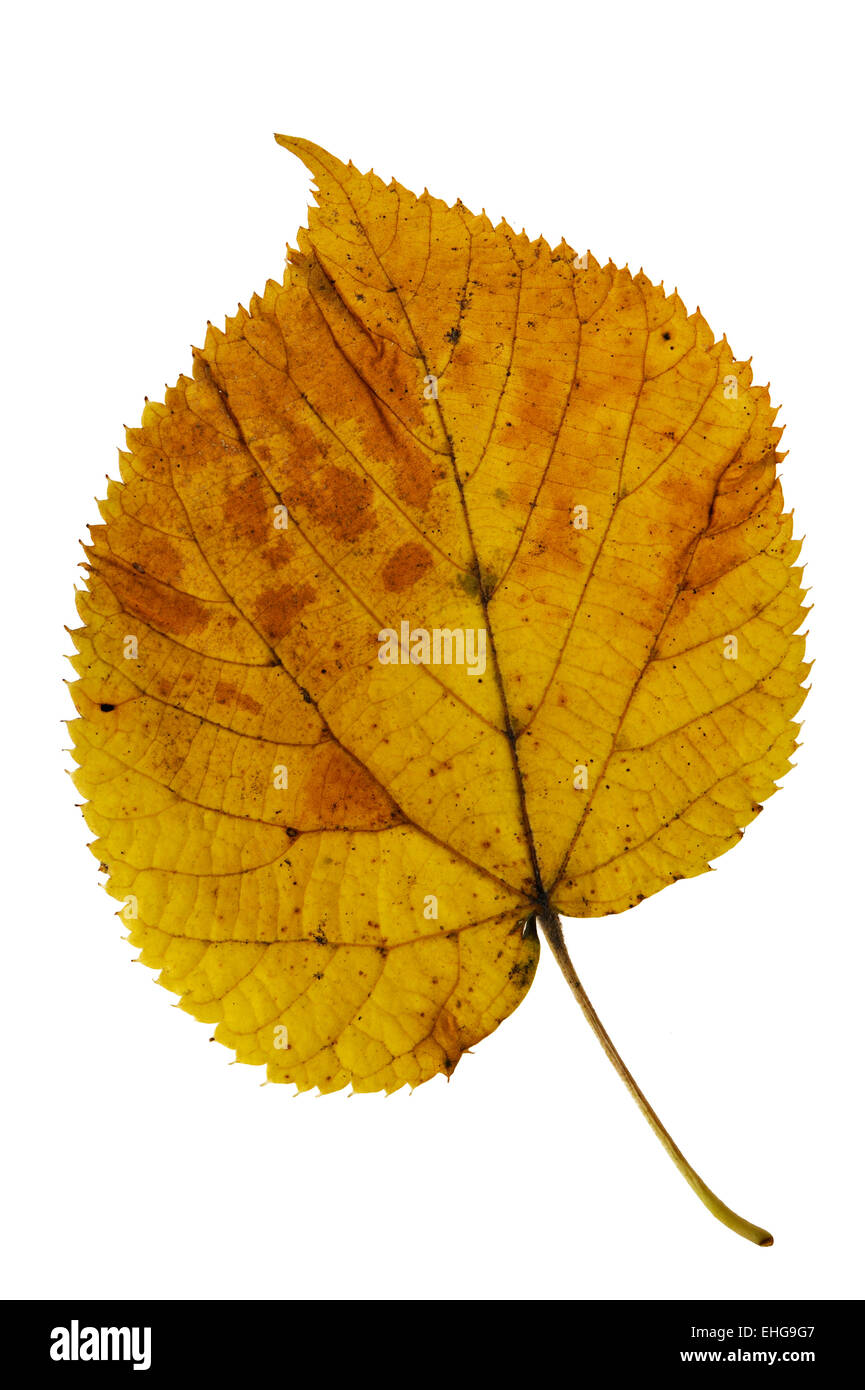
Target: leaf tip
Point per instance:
(317, 160)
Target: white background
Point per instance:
(716, 146)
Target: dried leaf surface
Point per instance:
(434, 421)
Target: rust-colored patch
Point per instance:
(405, 566)
(277, 609)
(163, 560)
(340, 793)
(338, 501)
(414, 478)
(447, 1035)
(168, 610)
(249, 511)
(228, 694)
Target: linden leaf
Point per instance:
(452, 590)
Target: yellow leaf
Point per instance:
(452, 590)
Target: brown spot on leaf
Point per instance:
(447, 1034)
(228, 694)
(414, 478)
(405, 566)
(163, 560)
(248, 510)
(157, 605)
(277, 609)
(338, 499)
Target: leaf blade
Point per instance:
(399, 435)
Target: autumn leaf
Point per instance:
(452, 591)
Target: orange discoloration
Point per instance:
(447, 1035)
(162, 560)
(406, 566)
(344, 794)
(414, 477)
(337, 498)
(166, 609)
(340, 501)
(276, 610)
(227, 694)
(248, 510)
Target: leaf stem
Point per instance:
(552, 929)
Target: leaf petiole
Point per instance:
(552, 929)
